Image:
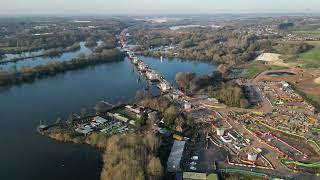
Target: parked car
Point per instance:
(195, 158)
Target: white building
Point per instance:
(220, 131)
(252, 156)
(187, 105)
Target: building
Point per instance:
(132, 109)
(132, 122)
(84, 130)
(173, 163)
(187, 105)
(233, 135)
(252, 155)
(118, 117)
(100, 120)
(194, 176)
(220, 131)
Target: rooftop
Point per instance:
(194, 176)
(173, 163)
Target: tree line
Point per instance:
(27, 74)
(213, 85)
(132, 157)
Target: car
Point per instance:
(193, 163)
(193, 168)
(195, 158)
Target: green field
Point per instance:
(314, 33)
(274, 67)
(311, 58)
(254, 69)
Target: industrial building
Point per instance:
(173, 163)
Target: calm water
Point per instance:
(9, 56)
(31, 62)
(27, 155)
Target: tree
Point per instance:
(190, 121)
(152, 119)
(170, 114)
(142, 95)
(183, 79)
(179, 123)
(155, 169)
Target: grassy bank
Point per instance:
(311, 58)
(275, 67)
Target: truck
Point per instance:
(177, 137)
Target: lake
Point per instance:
(32, 62)
(27, 155)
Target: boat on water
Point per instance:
(164, 87)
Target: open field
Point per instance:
(314, 33)
(254, 69)
(311, 58)
(276, 67)
(313, 43)
(302, 80)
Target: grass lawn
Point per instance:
(124, 113)
(254, 69)
(311, 58)
(274, 67)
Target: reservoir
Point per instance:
(27, 155)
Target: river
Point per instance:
(27, 155)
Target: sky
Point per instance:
(149, 7)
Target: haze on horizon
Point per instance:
(143, 7)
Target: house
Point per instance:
(132, 122)
(100, 120)
(132, 109)
(84, 130)
(118, 117)
(187, 105)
